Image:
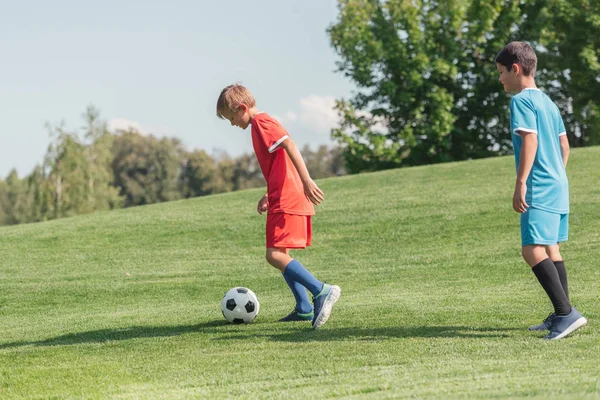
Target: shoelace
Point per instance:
(549, 318)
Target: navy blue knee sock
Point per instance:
(297, 273)
(303, 305)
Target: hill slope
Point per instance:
(435, 297)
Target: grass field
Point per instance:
(435, 297)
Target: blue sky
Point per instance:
(159, 66)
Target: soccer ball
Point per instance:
(240, 305)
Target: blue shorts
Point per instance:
(543, 227)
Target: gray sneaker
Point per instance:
(544, 326)
(562, 325)
(323, 304)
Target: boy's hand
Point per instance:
(263, 204)
(313, 193)
(519, 204)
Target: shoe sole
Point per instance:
(572, 328)
(332, 297)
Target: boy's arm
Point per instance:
(564, 149)
(311, 190)
(528, 152)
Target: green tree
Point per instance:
(324, 161)
(39, 195)
(12, 194)
(427, 82)
(198, 174)
(65, 167)
(225, 174)
(17, 199)
(146, 169)
(247, 173)
(4, 204)
(24, 200)
(566, 34)
(102, 195)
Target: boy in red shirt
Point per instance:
(288, 202)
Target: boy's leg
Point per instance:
(554, 254)
(303, 310)
(324, 295)
(546, 273)
(554, 251)
(293, 270)
(286, 231)
(280, 234)
(540, 229)
(279, 258)
(295, 231)
(303, 305)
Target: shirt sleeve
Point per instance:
(561, 127)
(271, 133)
(522, 117)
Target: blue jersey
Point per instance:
(547, 184)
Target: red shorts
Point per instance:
(289, 231)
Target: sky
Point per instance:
(158, 66)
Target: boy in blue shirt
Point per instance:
(541, 193)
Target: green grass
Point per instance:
(435, 297)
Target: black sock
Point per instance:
(547, 274)
(562, 274)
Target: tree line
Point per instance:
(95, 170)
(427, 91)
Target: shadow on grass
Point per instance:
(295, 333)
(110, 335)
(376, 334)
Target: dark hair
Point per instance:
(518, 53)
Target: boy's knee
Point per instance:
(272, 256)
(554, 253)
(269, 257)
(533, 254)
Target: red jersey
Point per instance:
(284, 187)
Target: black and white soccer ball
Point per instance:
(240, 305)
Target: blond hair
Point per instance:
(232, 97)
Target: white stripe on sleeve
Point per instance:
(274, 147)
(516, 131)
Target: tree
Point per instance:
(323, 162)
(12, 194)
(146, 169)
(76, 177)
(102, 195)
(198, 174)
(65, 165)
(39, 196)
(568, 48)
(225, 173)
(427, 79)
(247, 173)
(16, 198)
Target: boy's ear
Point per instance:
(516, 68)
(243, 107)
